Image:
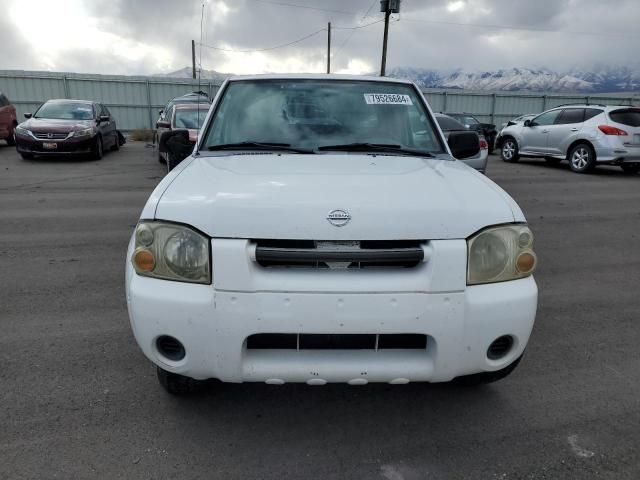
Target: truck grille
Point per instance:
(319, 341)
(339, 254)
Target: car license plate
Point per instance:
(49, 145)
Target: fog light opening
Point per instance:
(500, 347)
(170, 347)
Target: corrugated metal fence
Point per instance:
(135, 101)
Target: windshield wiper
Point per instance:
(249, 145)
(376, 147)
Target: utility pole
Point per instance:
(388, 7)
(329, 47)
(193, 57)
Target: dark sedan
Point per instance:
(472, 123)
(67, 127)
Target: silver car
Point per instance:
(585, 135)
(448, 124)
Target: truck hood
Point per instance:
(290, 195)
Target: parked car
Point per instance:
(189, 116)
(67, 127)
(355, 249)
(194, 97)
(448, 125)
(8, 120)
(584, 135)
(487, 129)
(520, 119)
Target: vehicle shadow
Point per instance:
(606, 170)
(366, 411)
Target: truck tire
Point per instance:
(488, 377)
(178, 384)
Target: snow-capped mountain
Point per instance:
(598, 80)
(187, 72)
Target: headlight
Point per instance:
(87, 132)
(171, 252)
(21, 131)
(500, 253)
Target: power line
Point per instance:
(516, 28)
(359, 26)
(224, 49)
(265, 49)
(308, 7)
(346, 40)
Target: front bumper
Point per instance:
(25, 144)
(213, 326)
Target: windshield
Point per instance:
(467, 120)
(313, 113)
(190, 118)
(65, 111)
(448, 124)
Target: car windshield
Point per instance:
(467, 120)
(308, 114)
(65, 111)
(448, 124)
(190, 118)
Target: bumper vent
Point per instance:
(500, 347)
(339, 255)
(319, 341)
(170, 347)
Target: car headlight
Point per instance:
(171, 252)
(500, 253)
(22, 131)
(87, 132)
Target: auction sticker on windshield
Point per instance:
(387, 99)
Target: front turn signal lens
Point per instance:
(144, 260)
(526, 262)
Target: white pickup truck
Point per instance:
(321, 230)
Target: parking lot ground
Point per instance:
(79, 400)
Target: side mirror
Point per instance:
(163, 124)
(527, 123)
(103, 118)
(28, 115)
(464, 144)
(160, 111)
(176, 144)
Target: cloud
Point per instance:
(152, 36)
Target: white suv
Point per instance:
(585, 135)
(316, 234)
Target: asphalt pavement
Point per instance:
(78, 400)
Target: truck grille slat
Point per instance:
(339, 255)
(330, 341)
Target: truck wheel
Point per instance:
(487, 377)
(630, 168)
(582, 158)
(509, 150)
(178, 384)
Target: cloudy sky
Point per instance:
(154, 36)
